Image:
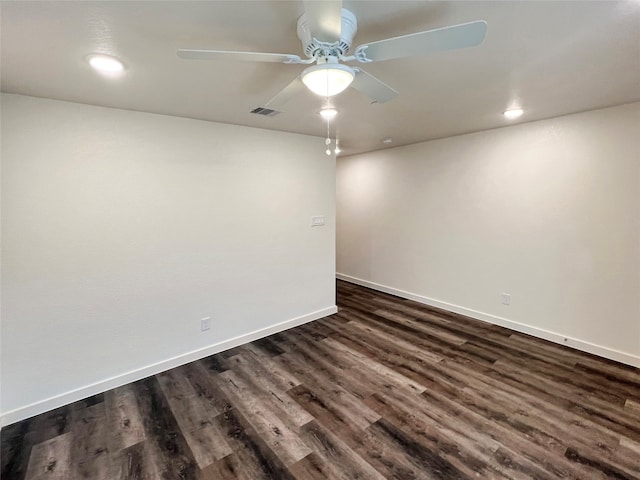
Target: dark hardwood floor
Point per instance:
(387, 388)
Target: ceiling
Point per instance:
(551, 58)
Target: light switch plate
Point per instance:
(317, 221)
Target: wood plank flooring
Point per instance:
(387, 388)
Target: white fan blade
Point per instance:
(241, 56)
(286, 94)
(325, 19)
(376, 89)
(447, 38)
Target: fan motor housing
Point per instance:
(311, 45)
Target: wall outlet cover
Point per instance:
(505, 298)
(205, 324)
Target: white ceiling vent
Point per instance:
(266, 112)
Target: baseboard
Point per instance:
(575, 343)
(42, 406)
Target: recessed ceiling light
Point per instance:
(328, 113)
(513, 113)
(387, 140)
(105, 63)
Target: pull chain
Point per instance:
(327, 142)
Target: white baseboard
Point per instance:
(576, 343)
(42, 406)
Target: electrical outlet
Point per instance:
(505, 298)
(317, 221)
(205, 324)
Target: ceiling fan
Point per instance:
(326, 31)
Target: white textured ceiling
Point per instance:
(552, 58)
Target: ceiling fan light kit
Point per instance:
(329, 78)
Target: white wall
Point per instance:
(121, 230)
(547, 211)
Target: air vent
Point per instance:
(266, 112)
